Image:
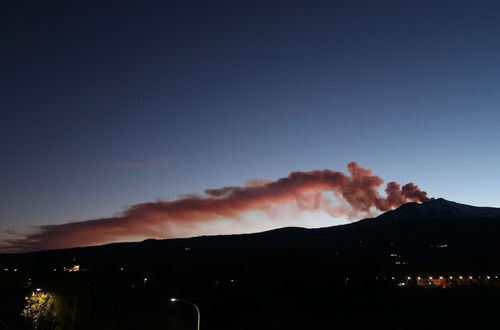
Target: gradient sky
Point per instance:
(105, 104)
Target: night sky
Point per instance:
(107, 104)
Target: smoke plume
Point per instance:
(355, 194)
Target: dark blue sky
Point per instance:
(110, 103)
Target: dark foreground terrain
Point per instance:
(278, 308)
(423, 266)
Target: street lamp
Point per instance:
(192, 304)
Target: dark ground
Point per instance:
(275, 308)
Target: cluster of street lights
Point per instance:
(409, 278)
(443, 280)
(488, 277)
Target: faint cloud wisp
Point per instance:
(132, 164)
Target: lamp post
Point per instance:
(74, 313)
(192, 304)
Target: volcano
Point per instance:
(468, 231)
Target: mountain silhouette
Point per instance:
(470, 233)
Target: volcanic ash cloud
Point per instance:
(355, 194)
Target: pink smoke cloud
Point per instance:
(358, 193)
